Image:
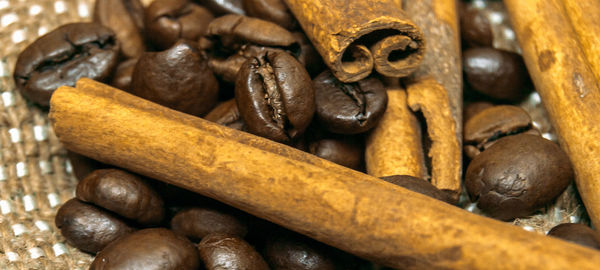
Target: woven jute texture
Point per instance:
(35, 176)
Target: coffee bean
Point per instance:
(576, 233)
(482, 130)
(221, 7)
(475, 28)
(64, 55)
(344, 150)
(419, 185)
(198, 222)
(293, 251)
(82, 165)
(271, 10)
(170, 20)
(178, 78)
(473, 108)
(123, 193)
(233, 31)
(518, 175)
(122, 77)
(275, 96)
(87, 227)
(349, 108)
(149, 249)
(126, 19)
(307, 55)
(227, 252)
(496, 73)
(227, 114)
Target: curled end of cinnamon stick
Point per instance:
(396, 56)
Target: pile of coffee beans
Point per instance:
(247, 65)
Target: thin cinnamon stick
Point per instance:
(343, 208)
(353, 37)
(565, 80)
(584, 19)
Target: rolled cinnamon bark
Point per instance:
(564, 78)
(583, 17)
(355, 36)
(343, 208)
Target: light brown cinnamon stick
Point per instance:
(565, 80)
(584, 19)
(343, 208)
(353, 37)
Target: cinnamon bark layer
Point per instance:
(353, 37)
(343, 208)
(563, 73)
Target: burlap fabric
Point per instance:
(35, 176)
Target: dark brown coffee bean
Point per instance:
(126, 19)
(228, 252)
(178, 78)
(576, 233)
(419, 185)
(149, 249)
(483, 129)
(170, 20)
(221, 7)
(349, 108)
(471, 109)
(271, 10)
(226, 114)
(235, 30)
(227, 68)
(88, 227)
(518, 175)
(82, 165)
(307, 55)
(496, 73)
(123, 193)
(292, 251)
(475, 28)
(64, 55)
(123, 74)
(275, 96)
(198, 222)
(344, 150)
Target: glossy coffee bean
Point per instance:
(227, 252)
(226, 114)
(496, 73)
(122, 77)
(62, 57)
(292, 251)
(344, 150)
(518, 175)
(307, 55)
(88, 227)
(178, 78)
(349, 108)
(221, 7)
(270, 10)
(123, 193)
(473, 108)
(198, 222)
(126, 19)
(475, 28)
(167, 21)
(149, 249)
(275, 96)
(576, 233)
(233, 31)
(418, 185)
(483, 129)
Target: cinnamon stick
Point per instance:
(353, 37)
(343, 208)
(584, 19)
(564, 78)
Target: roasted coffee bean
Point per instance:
(82, 165)
(496, 73)
(308, 55)
(482, 130)
(293, 251)
(275, 96)
(198, 222)
(419, 185)
(178, 78)
(576, 233)
(88, 227)
(233, 31)
(475, 28)
(149, 249)
(271, 10)
(472, 109)
(227, 69)
(170, 20)
(123, 74)
(344, 150)
(123, 193)
(518, 175)
(228, 252)
(64, 55)
(226, 114)
(349, 108)
(126, 19)
(221, 7)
